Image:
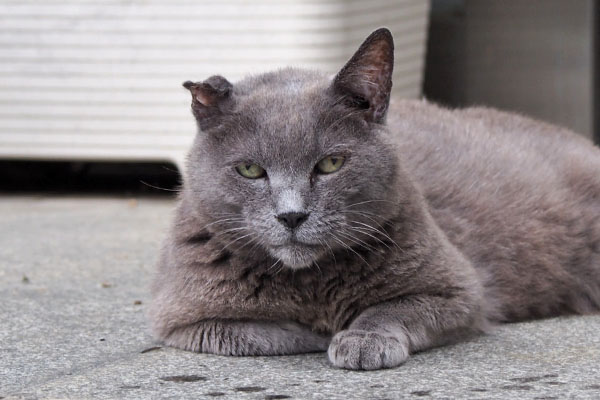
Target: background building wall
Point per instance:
(531, 56)
(101, 79)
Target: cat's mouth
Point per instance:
(297, 255)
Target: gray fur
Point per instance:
(439, 223)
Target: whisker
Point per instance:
(373, 229)
(230, 230)
(236, 240)
(159, 188)
(369, 201)
(364, 232)
(318, 267)
(249, 242)
(274, 264)
(368, 215)
(337, 227)
(324, 244)
(352, 250)
(357, 241)
(222, 221)
(256, 245)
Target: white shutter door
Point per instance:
(101, 80)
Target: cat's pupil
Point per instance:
(334, 160)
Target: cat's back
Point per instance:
(521, 198)
(490, 148)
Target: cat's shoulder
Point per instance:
(424, 112)
(477, 124)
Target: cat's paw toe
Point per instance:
(358, 349)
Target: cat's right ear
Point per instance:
(210, 99)
(365, 82)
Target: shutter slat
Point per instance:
(102, 78)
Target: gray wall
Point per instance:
(531, 56)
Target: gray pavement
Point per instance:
(74, 274)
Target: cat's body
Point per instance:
(519, 198)
(431, 228)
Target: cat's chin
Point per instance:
(296, 256)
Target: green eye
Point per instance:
(330, 164)
(250, 171)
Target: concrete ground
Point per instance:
(74, 274)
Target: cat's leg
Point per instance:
(384, 335)
(246, 338)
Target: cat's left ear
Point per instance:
(210, 99)
(365, 82)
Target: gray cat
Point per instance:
(308, 223)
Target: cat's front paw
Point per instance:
(358, 349)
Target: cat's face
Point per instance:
(293, 165)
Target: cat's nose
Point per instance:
(292, 219)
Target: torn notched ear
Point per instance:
(210, 99)
(365, 82)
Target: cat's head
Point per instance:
(294, 162)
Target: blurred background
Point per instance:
(90, 90)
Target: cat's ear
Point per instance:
(365, 82)
(210, 99)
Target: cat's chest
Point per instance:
(326, 301)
